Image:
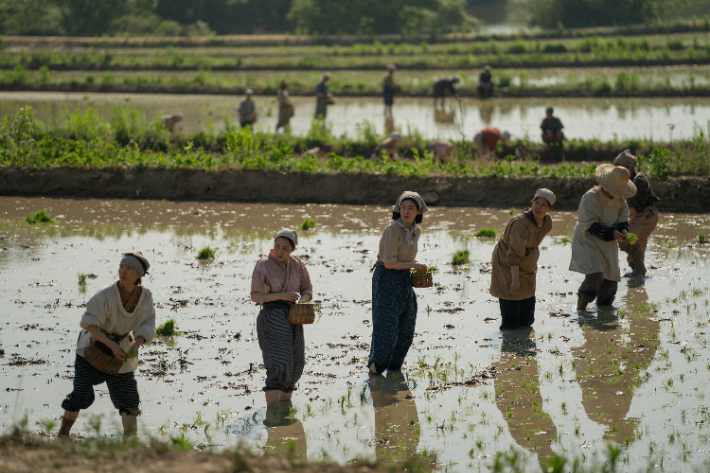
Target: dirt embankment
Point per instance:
(685, 194)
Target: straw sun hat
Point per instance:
(616, 181)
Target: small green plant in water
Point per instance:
(632, 238)
(41, 216)
(672, 245)
(486, 233)
(702, 239)
(512, 211)
(461, 257)
(167, 329)
(567, 240)
(307, 224)
(430, 270)
(82, 279)
(206, 253)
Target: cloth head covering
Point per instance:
(249, 92)
(415, 197)
(396, 136)
(486, 68)
(456, 78)
(546, 194)
(391, 67)
(284, 232)
(616, 180)
(137, 261)
(505, 135)
(626, 159)
(326, 75)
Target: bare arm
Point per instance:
(515, 273)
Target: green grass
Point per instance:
(512, 211)
(167, 329)
(486, 233)
(702, 238)
(461, 257)
(82, 279)
(41, 216)
(307, 224)
(672, 245)
(206, 253)
(566, 240)
(429, 270)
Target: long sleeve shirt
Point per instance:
(644, 194)
(271, 277)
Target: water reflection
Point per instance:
(517, 387)
(286, 436)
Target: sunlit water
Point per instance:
(603, 118)
(577, 382)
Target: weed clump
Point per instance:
(41, 216)
(512, 211)
(461, 257)
(307, 224)
(702, 238)
(167, 329)
(82, 279)
(206, 253)
(486, 233)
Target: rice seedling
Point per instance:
(41, 216)
(82, 279)
(430, 270)
(307, 224)
(702, 239)
(461, 257)
(512, 211)
(167, 329)
(486, 233)
(632, 238)
(206, 253)
(671, 245)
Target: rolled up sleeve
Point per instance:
(517, 239)
(96, 312)
(259, 284)
(390, 245)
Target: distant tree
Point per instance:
(30, 17)
(588, 13)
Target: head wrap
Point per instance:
(546, 194)
(391, 67)
(415, 197)
(626, 159)
(137, 261)
(249, 92)
(616, 180)
(284, 232)
(505, 135)
(326, 75)
(396, 136)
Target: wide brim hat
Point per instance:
(415, 197)
(616, 180)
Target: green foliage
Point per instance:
(206, 253)
(702, 238)
(512, 211)
(660, 163)
(486, 233)
(429, 270)
(461, 257)
(588, 13)
(41, 216)
(167, 329)
(307, 224)
(632, 238)
(82, 279)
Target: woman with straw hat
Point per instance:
(279, 280)
(120, 317)
(603, 217)
(515, 262)
(394, 303)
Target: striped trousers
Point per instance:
(282, 348)
(122, 388)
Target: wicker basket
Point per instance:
(422, 280)
(101, 357)
(301, 314)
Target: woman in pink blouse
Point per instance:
(280, 280)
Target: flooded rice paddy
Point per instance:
(636, 376)
(603, 118)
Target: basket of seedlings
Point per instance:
(100, 356)
(424, 278)
(302, 313)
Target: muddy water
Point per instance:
(636, 376)
(605, 119)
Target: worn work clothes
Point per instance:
(394, 244)
(444, 87)
(519, 246)
(642, 225)
(517, 313)
(394, 318)
(270, 276)
(122, 388)
(596, 286)
(285, 108)
(485, 78)
(552, 125)
(486, 141)
(388, 89)
(644, 194)
(322, 92)
(247, 110)
(589, 253)
(106, 311)
(282, 348)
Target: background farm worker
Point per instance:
(515, 262)
(389, 145)
(323, 96)
(485, 83)
(279, 280)
(120, 316)
(551, 128)
(603, 217)
(643, 215)
(445, 87)
(486, 141)
(171, 121)
(286, 107)
(442, 150)
(247, 109)
(389, 88)
(394, 303)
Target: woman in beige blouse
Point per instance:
(279, 280)
(394, 303)
(515, 262)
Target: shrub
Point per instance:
(461, 257)
(41, 216)
(504, 78)
(555, 48)
(45, 75)
(206, 253)
(486, 233)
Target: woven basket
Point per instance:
(301, 314)
(101, 357)
(422, 280)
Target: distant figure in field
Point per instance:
(389, 145)
(247, 109)
(485, 83)
(552, 128)
(323, 96)
(442, 149)
(171, 121)
(389, 88)
(445, 87)
(487, 140)
(286, 108)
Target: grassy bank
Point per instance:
(128, 139)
